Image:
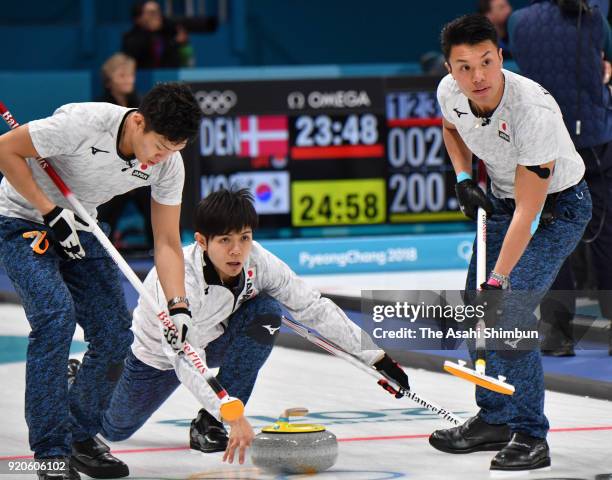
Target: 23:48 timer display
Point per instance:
(338, 202)
(325, 130)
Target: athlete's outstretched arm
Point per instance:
(530, 189)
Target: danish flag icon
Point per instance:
(265, 135)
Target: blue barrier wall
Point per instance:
(37, 94)
(70, 34)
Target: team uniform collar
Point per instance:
(211, 277)
(128, 160)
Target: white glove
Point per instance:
(181, 317)
(64, 224)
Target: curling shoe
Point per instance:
(475, 435)
(58, 468)
(92, 457)
(522, 453)
(207, 434)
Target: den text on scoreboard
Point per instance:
(327, 152)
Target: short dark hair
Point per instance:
(225, 211)
(171, 110)
(469, 29)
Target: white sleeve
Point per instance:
(308, 307)
(537, 136)
(64, 132)
(443, 93)
(168, 190)
(187, 374)
(195, 382)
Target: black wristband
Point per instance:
(47, 217)
(177, 310)
(384, 363)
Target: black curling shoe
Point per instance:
(92, 457)
(207, 434)
(475, 435)
(522, 453)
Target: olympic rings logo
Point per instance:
(215, 101)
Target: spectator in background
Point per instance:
(563, 45)
(433, 63)
(118, 78)
(498, 12)
(155, 41)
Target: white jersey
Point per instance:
(526, 129)
(81, 140)
(213, 303)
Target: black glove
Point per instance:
(488, 301)
(470, 196)
(64, 224)
(391, 369)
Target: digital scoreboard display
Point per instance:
(326, 152)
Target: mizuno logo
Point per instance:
(95, 150)
(513, 343)
(456, 110)
(272, 330)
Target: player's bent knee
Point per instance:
(264, 328)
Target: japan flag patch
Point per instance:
(503, 130)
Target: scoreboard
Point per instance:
(325, 152)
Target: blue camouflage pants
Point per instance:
(240, 352)
(533, 274)
(57, 294)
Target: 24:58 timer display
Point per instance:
(338, 202)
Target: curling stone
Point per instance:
(294, 447)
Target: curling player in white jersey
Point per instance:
(62, 273)
(537, 209)
(236, 289)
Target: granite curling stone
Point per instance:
(294, 447)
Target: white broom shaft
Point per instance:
(193, 356)
(481, 247)
(338, 352)
(481, 274)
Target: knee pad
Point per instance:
(264, 328)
